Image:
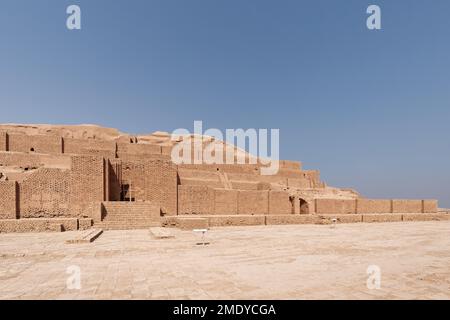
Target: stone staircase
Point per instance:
(119, 215)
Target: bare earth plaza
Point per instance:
(257, 262)
(88, 212)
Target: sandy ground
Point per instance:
(264, 262)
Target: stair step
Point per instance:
(129, 215)
(126, 227)
(131, 222)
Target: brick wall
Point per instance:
(406, 206)
(302, 182)
(195, 200)
(225, 201)
(246, 177)
(152, 180)
(198, 174)
(161, 185)
(289, 164)
(3, 141)
(367, 206)
(290, 173)
(201, 182)
(8, 204)
(53, 191)
(86, 184)
(200, 178)
(45, 193)
(32, 160)
(93, 147)
(127, 149)
(244, 185)
(374, 206)
(20, 159)
(229, 168)
(143, 157)
(126, 139)
(334, 206)
(253, 202)
(134, 176)
(35, 143)
(314, 177)
(166, 150)
(279, 203)
(430, 206)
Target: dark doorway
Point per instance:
(304, 207)
(125, 194)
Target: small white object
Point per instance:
(203, 231)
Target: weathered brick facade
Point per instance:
(87, 184)
(8, 200)
(151, 180)
(38, 143)
(92, 147)
(3, 141)
(45, 193)
(52, 182)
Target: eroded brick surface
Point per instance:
(72, 172)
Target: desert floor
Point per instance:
(263, 262)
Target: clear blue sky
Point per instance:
(370, 109)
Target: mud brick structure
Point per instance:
(55, 178)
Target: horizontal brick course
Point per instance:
(3, 141)
(253, 202)
(195, 200)
(334, 206)
(406, 206)
(374, 206)
(225, 201)
(279, 203)
(35, 143)
(38, 225)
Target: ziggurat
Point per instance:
(57, 178)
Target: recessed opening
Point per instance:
(292, 199)
(304, 207)
(125, 194)
(32, 149)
